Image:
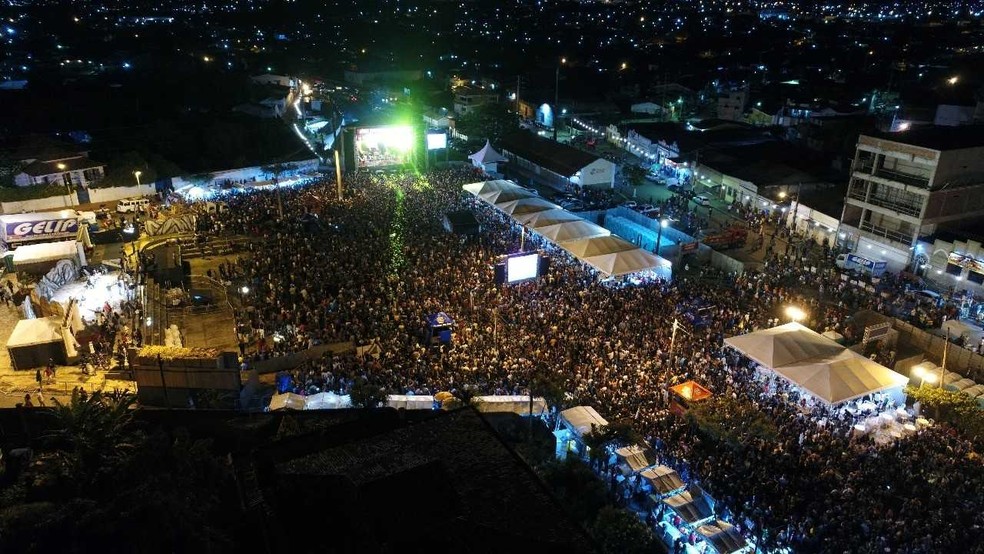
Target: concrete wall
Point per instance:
(96, 196)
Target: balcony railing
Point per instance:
(868, 168)
(906, 208)
(889, 234)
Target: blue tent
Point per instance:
(439, 328)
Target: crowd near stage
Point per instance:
(373, 266)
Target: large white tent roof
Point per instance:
(784, 345)
(525, 205)
(581, 419)
(487, 155)
(590, 243)
(842, 377)
(825, 369)
(46, 251)
(29, 332)
(572, 230)
(723, 537)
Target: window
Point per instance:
(975, 277)
(954, 269)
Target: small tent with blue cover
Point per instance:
(439, 327)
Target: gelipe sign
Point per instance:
(48, 228)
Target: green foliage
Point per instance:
(550, 386)
(634, 175)
(577, 488)
(99, 481)
(365, 394)
(489, 121)
(33, 192)
(954, 408)
(731, 421)
(9, 168)
(622, 532)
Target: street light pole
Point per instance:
(137, 175)
(659, 237)
(556, 106)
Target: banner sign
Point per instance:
(861, 261)
(47, 228)
(966, 262)
(688, 246)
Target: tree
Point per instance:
(635, 176)
(577, 488)
(621, 532)
(276, 170)
(366, 394)
(122, 170)
(9, 168)
(490, 121)
(548, 385)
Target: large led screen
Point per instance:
(521, 268)
(383, 146)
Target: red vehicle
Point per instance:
(732, 237)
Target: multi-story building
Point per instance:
(906, 185)
(467, 99)
(70, 169)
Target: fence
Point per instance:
(958, 359)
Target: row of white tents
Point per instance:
(691, 504)
(591, 243)
(486, 404)
(827, 370)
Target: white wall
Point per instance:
(40, 204)
(599, 173)
(98, 196)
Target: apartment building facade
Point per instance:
(904, 186)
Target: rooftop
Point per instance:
(939, 137)
(560, 158)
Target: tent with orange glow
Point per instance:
(691, 391)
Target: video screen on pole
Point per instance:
(521, 268)
(437, 141)
(383, 146)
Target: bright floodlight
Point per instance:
(795, 314)
(953, 80)
(664, 223)
(931, 378)
(245, 290)
(782, 194)
(919, 371)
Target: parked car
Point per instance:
(643, 207)
(630, 204)
(650, 211)
(702, 200)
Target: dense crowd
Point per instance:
(371, 267)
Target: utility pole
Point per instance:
(338, 175)
(519, 116)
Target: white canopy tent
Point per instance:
(600, 246)
(784, 345)
(487, 158)
(581, 420)
(515, 404)
(843, 377)
(524, 205)
(629, 262)
(327, 401)
(723, 537)
(635, 458)
(663, 479)
(34, 341)
(410, 402)
(830, 372)
(46, 252)
(287, 401)
(572, 230)
(691, 505)
(496, 191)
(535, 220)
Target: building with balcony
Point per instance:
(468, 99)
(904, 186)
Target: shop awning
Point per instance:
(663, 479)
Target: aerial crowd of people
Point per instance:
(370, 267)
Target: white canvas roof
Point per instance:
(29, 332)
(627, 262)
(535, 220)
(410, 402)
(784, 345)
(47, 251)
(572, 230)
(515, 404)
(690, 505)
(327, 401)
(636, 457)
(723, 537)
(825, 369)
(524, 205)
(581, 418)
(842, 377)
(496, 191)
(663, 479)
(287, 401)
(599, 246)
(487, 155)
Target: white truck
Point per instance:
(857, 262)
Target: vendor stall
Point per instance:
(515, 404)
(572, 425)
(635, 458)
(287, 401)
(410, 402)
(663, 480)
(692, 506)
(35, 341)
(723, 538)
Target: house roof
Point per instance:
(447, 482)
(559, 158)
(39, 167)
(939, 137)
